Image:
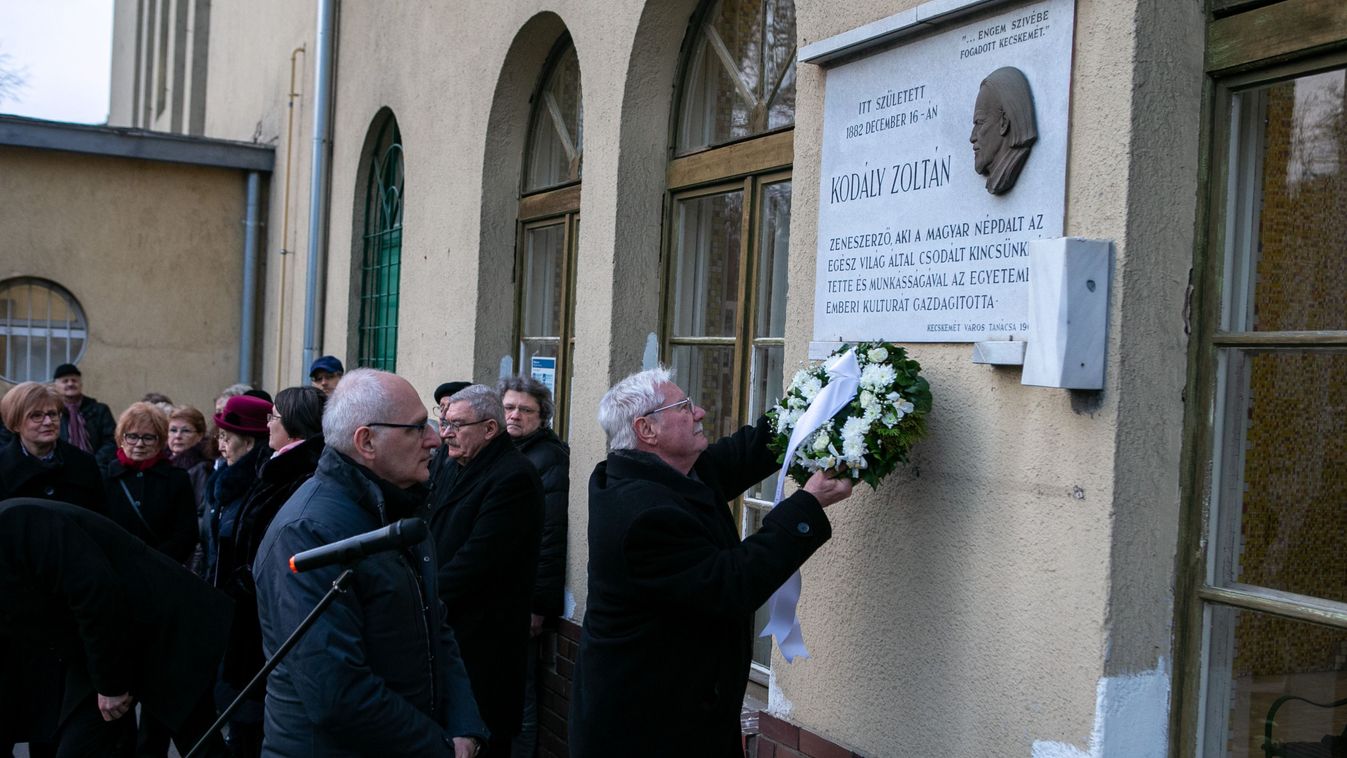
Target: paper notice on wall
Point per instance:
(544, 369)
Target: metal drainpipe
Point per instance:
(246, 327)
(322, 106)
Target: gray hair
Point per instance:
(483, 400)
(529, 386)
(234, 390)
(629, 399)
(361, 397)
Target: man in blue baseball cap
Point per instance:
(325, 373)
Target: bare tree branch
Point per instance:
(13, 79)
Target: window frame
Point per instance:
(560, 48)
(556, 204)
(746, 164)
(371, 238)
(552, 207)
(52, 290)
(1244, 52)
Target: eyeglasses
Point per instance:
(420, 427)
(38, 417)
(277, 417)
(688, 401)
(523, 410)
(457, 426)
(140, 439)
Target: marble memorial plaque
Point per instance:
(941, 158)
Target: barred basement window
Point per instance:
(381, 262)
(41, 327)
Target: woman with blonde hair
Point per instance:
(151, 498)
(36, 462)
(148, 496)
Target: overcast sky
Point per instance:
(64, 50)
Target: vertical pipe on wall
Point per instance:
(246, 327)
(322, 106)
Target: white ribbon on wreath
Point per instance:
(844, 379)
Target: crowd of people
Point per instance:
(147, 574)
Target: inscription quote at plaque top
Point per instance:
(942, 157)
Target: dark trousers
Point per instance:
(526, 742)
(152, 737)
(86, 735)
(496, 747)
(196, 724)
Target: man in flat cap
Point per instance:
(85, 423)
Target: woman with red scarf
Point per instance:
(146, 494)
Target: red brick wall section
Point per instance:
(782, 739)
(554, 696)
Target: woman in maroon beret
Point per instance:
(243, 445)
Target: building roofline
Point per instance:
(122, 142)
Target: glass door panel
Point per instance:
(773, 247)
(544, 250)
(1284, 522)
(1258, 658)
(707, 374)
(1301, 282)
(1277, 527)
(707, 236)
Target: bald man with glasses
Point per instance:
(379, 673)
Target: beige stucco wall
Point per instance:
(980, 604)
(975, 603)
(153, 253)
(254, 48)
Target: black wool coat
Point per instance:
(123, 616)
(276, 482)
(166, 516)
(486, 535)
(225, 493)
(379, 673)
(552, 458)
(198, 468)
(667, 636)
(73, 477)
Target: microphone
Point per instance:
(395, 536)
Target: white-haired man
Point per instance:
(379, 674)
(672, 589)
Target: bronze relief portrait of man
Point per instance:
(1004, 129)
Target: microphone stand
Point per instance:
(339, 586)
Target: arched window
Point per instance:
(739, 73)
(549, 219)
(41, 327)
(381, 260)
(729, 222)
